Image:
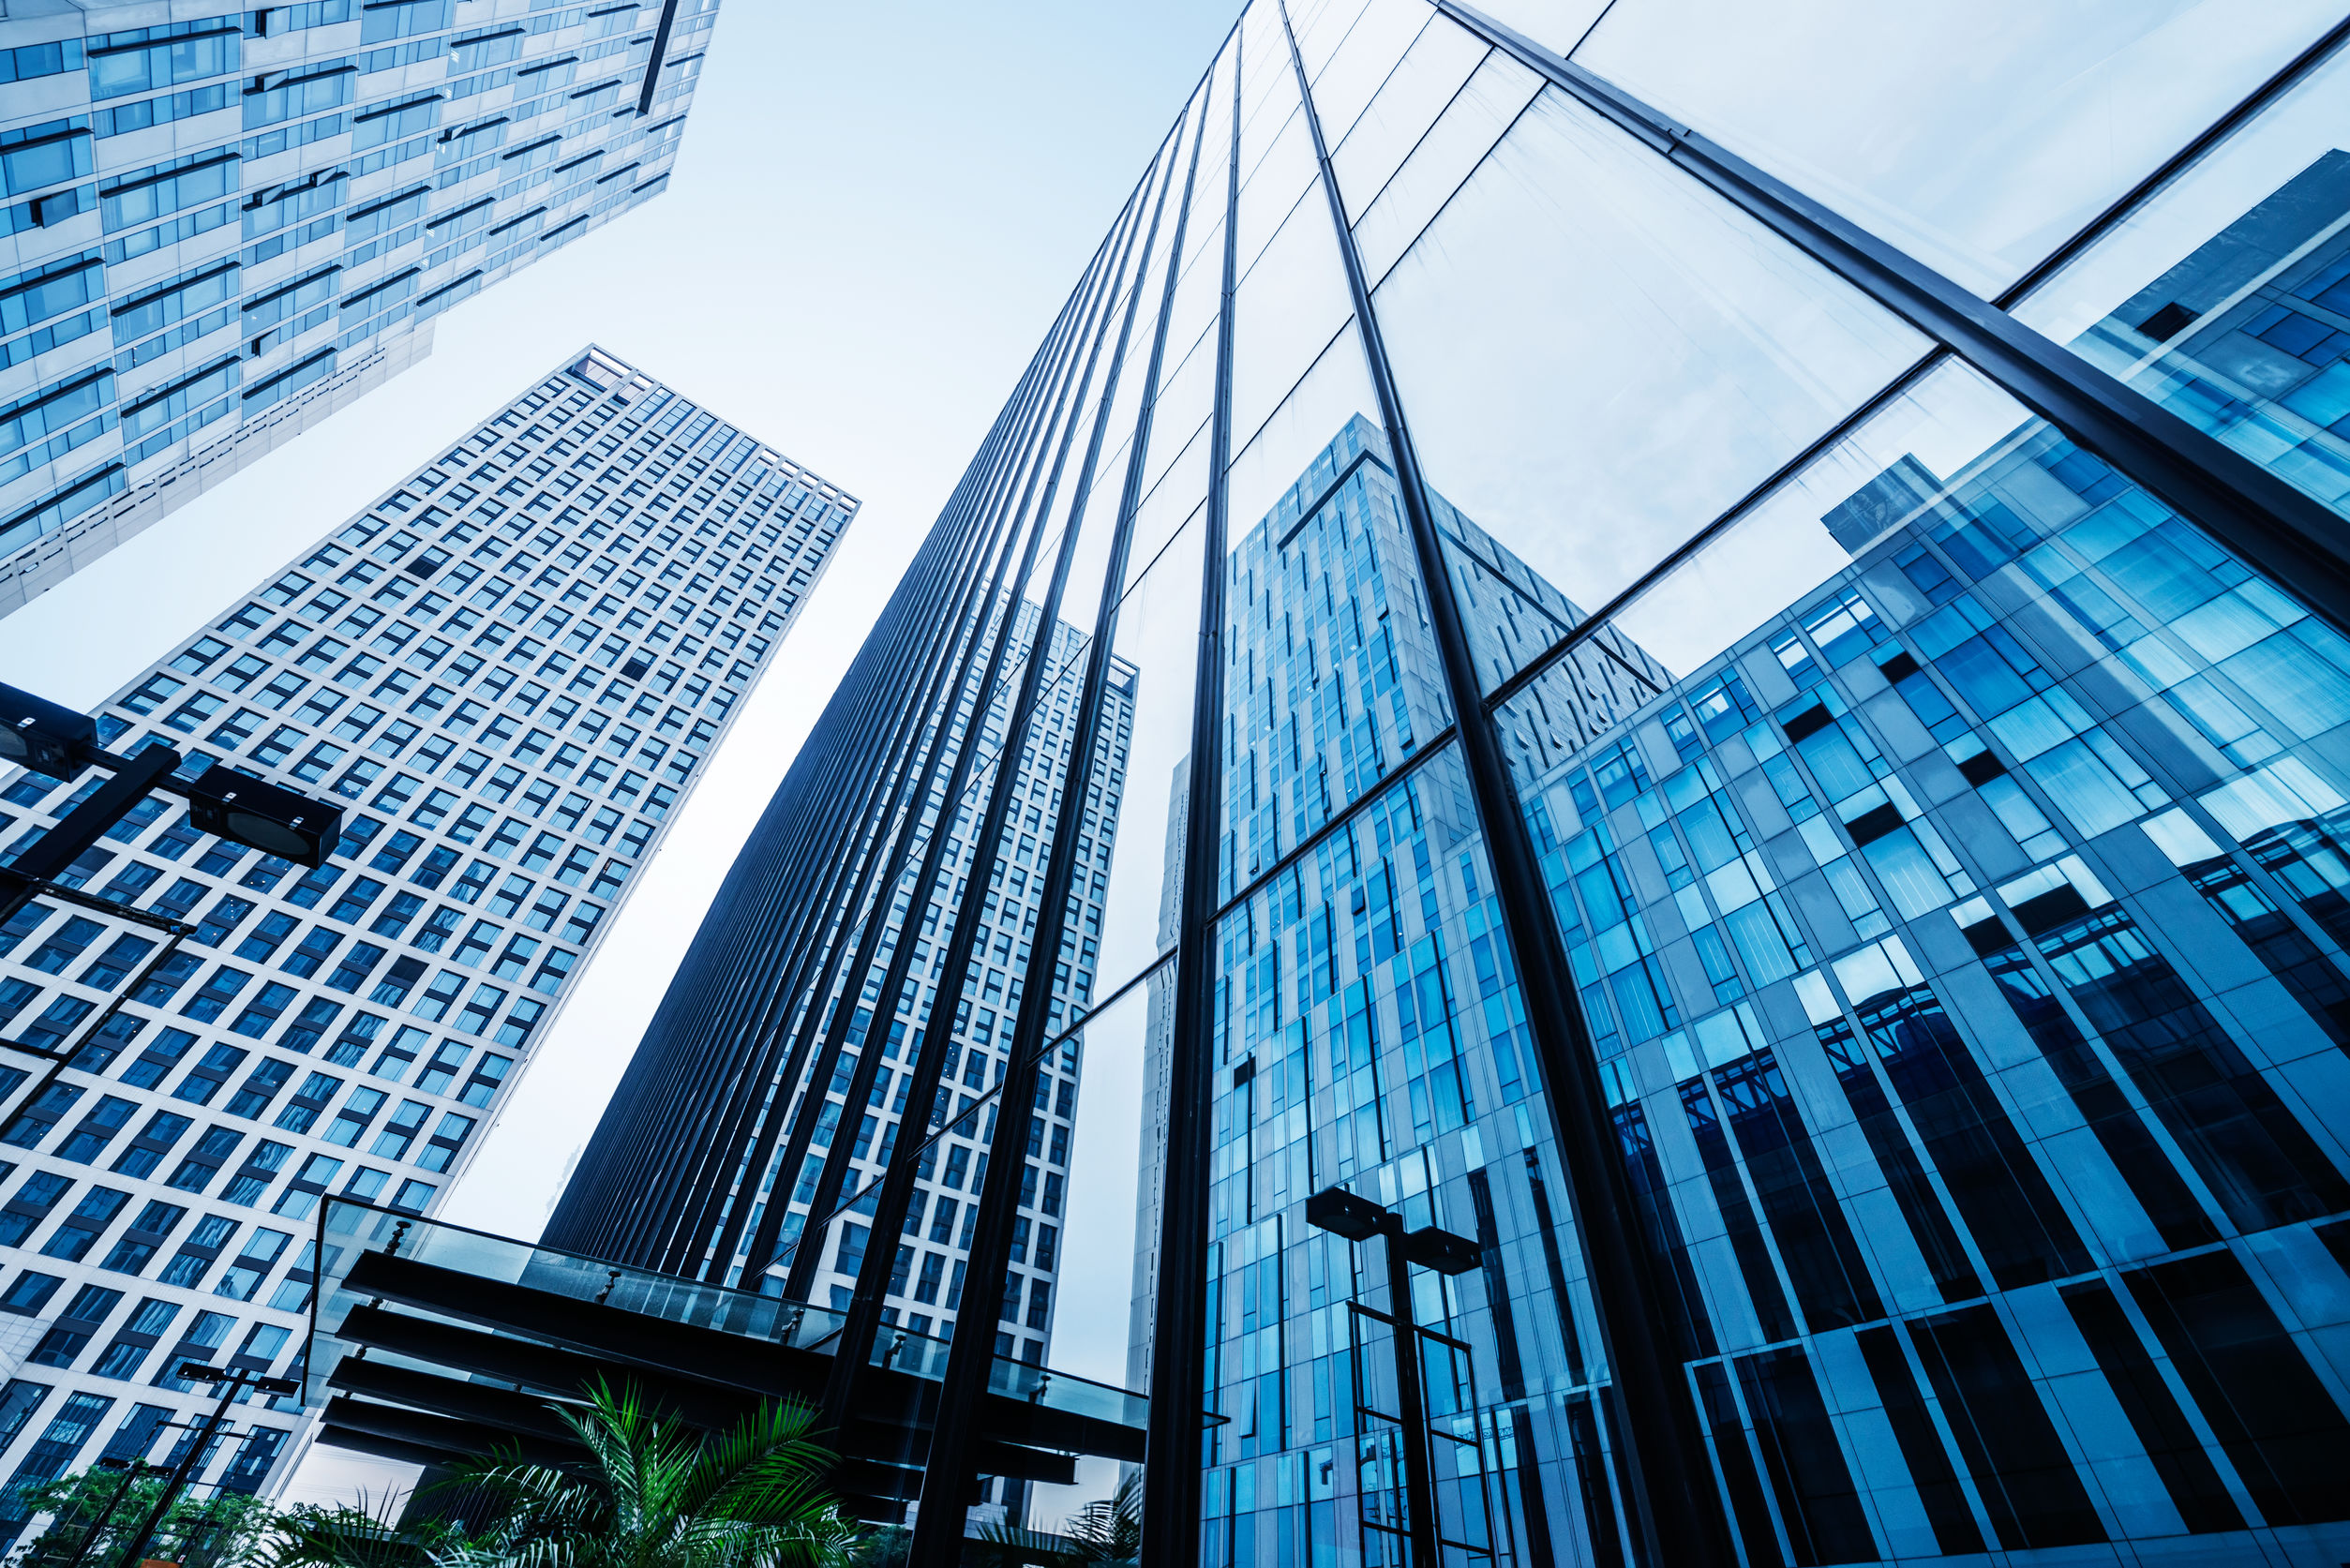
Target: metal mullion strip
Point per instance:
(810, 938)
(971, 1353)
(980, 1103)
(628, 1146)
(834, 1174)
(654, 1148)
(2280, 529)
(1174, 1457)
(956, 676)
(661, 1175)
(723, 1157)
(804, 937)
(651, 1175)
(815, 924)
(939, 1031)
(1665, 1449)
(1029, 523)
(759, 957)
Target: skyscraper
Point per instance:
(1752, 604)
(509, 671)
(790, 1138)
(220, 227)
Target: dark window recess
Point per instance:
(1955, 1529)
(2258, 1159)
(2153, 1179)
(1982, 767)
(635, 669)
(1807, 1470)
(1661, 1231)
(2020, 1466)
(2169, 322)
(1811, 721)
(2187, 1472)
(2024, 1232)
(2277, 1421)
(1831, 1280)
(1875, 824)
(1737, 1460)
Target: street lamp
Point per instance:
(1357, 1218)
(60, 743)
(41, 735)
(230, 1384)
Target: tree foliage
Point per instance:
(198, 1532)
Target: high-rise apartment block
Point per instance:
(217, 226)
(509, 672)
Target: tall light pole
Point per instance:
(230, 1384)
(1344, 1214)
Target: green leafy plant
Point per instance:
(656, 1494)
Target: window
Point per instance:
(83, 1316)
(399, 1130)
(263, 1249)
(79, 1230)
(145, 1235)
(194, 1260)
(207, 1077)
(153, 1140)
(28, 1293)
(140, 1334)
(204, 1159)
(353, 1119)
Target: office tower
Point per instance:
(219, 227)
(926, 1281)
(508, 672)
(1769, 758)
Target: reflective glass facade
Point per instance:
(508, 673)
(1736, 627)
(217, 226)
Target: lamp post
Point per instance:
(230, 1384)
(38, 735)
(1344, 1214)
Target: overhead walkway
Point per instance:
(430, 1342)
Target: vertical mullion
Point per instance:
(1663, 1448)
(1174, 1456)
(805, 1258)
(955, 1433)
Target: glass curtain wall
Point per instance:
(1733, 687)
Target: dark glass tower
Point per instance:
(1748, 687)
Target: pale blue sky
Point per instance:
(877, 211)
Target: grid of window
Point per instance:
(509, 671)
(294, 224)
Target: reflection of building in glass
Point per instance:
(2248, 337)
(219, 227)
(507, 672)
(1965, 953)
(1158, 1040)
